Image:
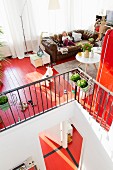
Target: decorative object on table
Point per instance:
(86, 49)
(4, 104)
(80, 54)
(40, 52)
(92, 53)
(97, 50)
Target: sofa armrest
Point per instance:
(50, 48)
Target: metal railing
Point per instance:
(34, 99)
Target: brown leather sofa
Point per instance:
(53, 43)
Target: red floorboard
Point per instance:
(14, 76)
(55, 162)
(59, 163)
(75, 145)
(45, 147)
(15, 71)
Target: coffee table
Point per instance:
(91, 60)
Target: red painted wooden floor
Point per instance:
(14, 73)
(21, 72)
(61, 160)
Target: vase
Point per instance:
(86, 54)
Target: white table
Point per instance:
(91, 60)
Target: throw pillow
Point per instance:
(76, 36)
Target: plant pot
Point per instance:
(85, 89)
(5, 106)
(86, 54)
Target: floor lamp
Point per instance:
(54, 5)
(23, 26)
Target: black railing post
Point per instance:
(21, 103)
(75, 91)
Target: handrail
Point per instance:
(36, 98)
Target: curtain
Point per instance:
(51, 21)
(84, 14)
(37, 18)
(12, 28)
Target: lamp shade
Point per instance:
(53, 4)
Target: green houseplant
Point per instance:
(86, 49)
(75, 77)
(83, 84)
(87, 46)
(4, 104)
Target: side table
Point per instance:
(35, 60)
(39, 61)
(89, 60)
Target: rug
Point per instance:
(67, 66)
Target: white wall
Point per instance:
(18, 143)
(54, 134)
(94, 154)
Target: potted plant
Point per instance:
(4, 104)
(83, 84)
(86, 49)
(75, 77)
